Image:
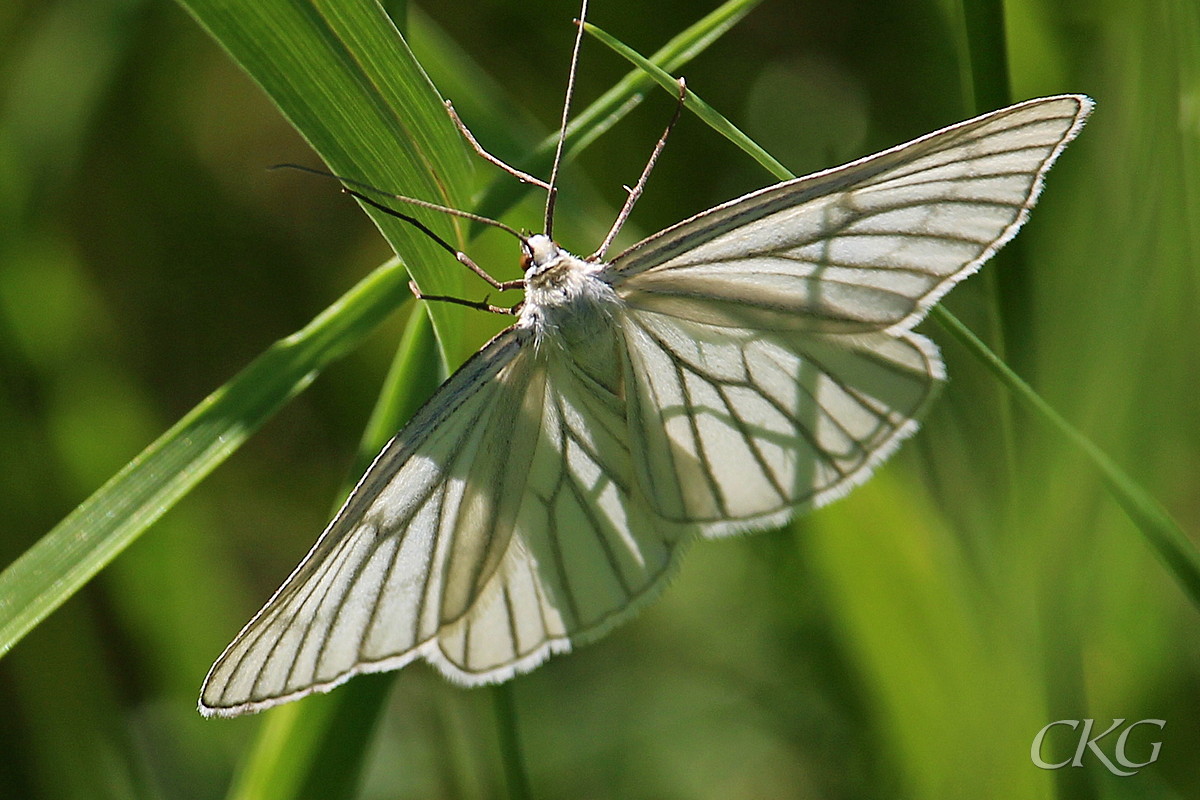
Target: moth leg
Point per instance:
(523, 177)
(636, 191)
(459, 255)
(480, 305)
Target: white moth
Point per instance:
(753, 361)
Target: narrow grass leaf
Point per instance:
(342, 75)
(693, 102)
(108, 521)
(1161, 531)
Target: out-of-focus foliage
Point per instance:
(909, 641)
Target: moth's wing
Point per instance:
(772, 365)
(863, 247)
(735, 429)
(470, 541)
(379, 571)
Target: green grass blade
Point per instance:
(987, 53)
(287, 745)
(1005, 320)
(342, 75)
(693, 102)
(410, 381)
(314, 748)
(511, 755)
(104, 524)
(1155, 523)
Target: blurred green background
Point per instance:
(908, 641)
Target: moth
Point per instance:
(720, 376)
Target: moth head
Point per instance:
(540, 251)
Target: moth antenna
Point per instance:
(552, 191)
(412, 201)
(459, 255)
(640, 186)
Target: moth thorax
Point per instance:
(552, 275)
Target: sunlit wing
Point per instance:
(864, 247)
(494, 530)
(384, 557)
(772, 365)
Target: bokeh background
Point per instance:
(908, 641)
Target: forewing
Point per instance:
(736, 429)
(390, 565)
(865, 247)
